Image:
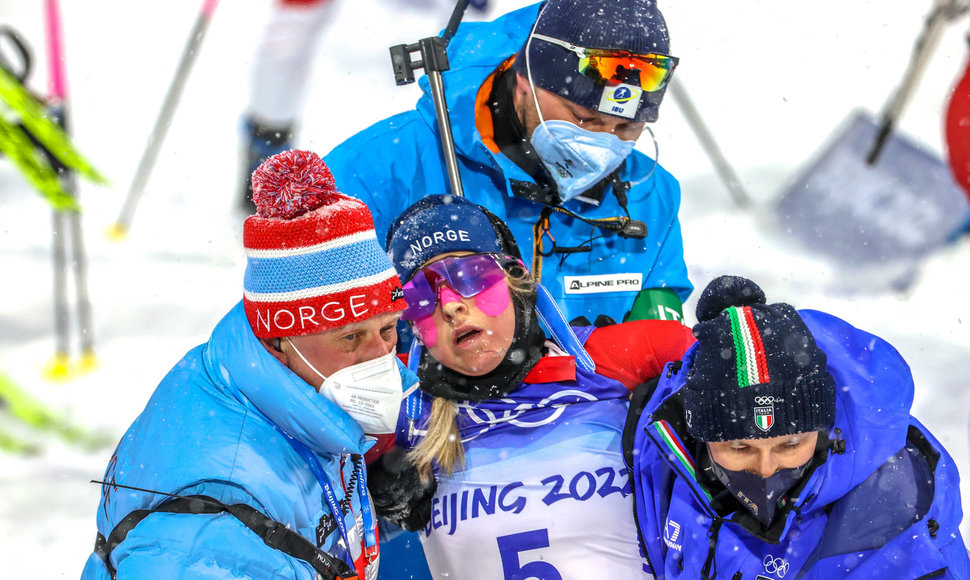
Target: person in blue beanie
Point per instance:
(249, 459)
(520, 433)
(546, 104)
(782, 446)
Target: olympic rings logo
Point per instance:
(776, 566)
(511, 416)
(765, 400)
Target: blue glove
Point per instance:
(480, 5)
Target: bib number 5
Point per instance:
(511, 545)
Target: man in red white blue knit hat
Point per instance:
(248, 461)
(314, 263)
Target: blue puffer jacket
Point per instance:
(884, 504)
(214, 427)
(397, 161)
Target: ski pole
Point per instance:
(57, 368)
(67, 224)
(934, 24)
(120, 228)
(723, 168)
(58, 365)
(434, 61)
(59, 94)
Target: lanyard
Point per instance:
(370, 537)
(414, 402)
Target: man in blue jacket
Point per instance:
(546, 104)
(783, 447)
(248, 461)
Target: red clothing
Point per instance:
(958, 131)
(634, 352)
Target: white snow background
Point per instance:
(772, 80)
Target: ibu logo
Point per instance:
(624, 94)
(623, 100)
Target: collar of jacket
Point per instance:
(685, 456)
(507, 136)
(237, 361)
(874, 395)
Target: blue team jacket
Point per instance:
(886, 506)
(215, 426)
(395, 162)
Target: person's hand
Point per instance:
(480, 5)
(399, 494)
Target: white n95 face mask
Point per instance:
(370, 392)
(576, 158)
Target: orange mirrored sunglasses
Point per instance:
(610, 67)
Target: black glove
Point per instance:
(601, 321)
(398, 492)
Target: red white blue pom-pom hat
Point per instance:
(313, 262)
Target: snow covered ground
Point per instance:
(771, 79)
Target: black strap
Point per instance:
(22, 71)
(638, 400)
(273, 533)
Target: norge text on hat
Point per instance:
(437, 224)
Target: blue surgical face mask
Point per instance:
(762, 496)
(577, 158)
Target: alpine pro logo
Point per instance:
(603, 283)
(672, 536)
(764, 414)
(622, 100)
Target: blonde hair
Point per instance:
(441, 445)
(521, 283)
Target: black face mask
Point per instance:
(762, 496)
